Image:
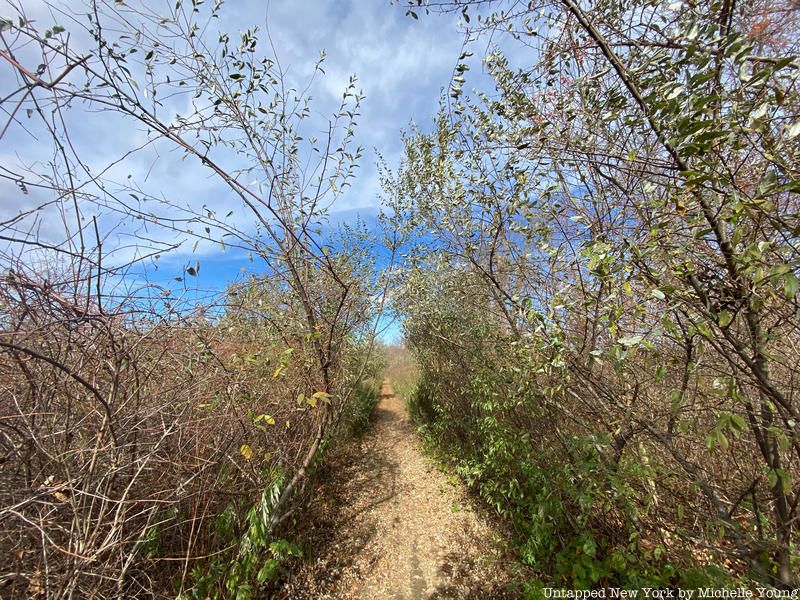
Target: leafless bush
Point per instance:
(156, 442)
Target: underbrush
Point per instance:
(357, 414)
(578, 521)
(261, 559)
(152, 457)
(402, 371)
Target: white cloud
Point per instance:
(401, 63)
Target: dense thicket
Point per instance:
(602, 288)
(152, 457)
(155, 442)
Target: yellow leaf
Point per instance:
(324, 396)
(680, 206)
(269, 420)
(312, 401)
(277, 372)
(247, 451)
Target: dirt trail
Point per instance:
(387, 524)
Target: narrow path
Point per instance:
(387, 524)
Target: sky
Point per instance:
(402, 64)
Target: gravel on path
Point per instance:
(387, 524)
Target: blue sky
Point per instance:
(402, 65)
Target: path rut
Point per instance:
(387, 524)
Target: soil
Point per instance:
(387, 524)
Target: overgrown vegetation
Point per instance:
(157, 440)
(601, 290)
(401, 370)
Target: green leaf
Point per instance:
(738, 422)
(760, 112)
(716, 438)
(772, 478)
(675, 400)
(790, 285)
(724, 318)
(786, 480)
(768, 182)
(784, 443)
(703, 329)
(631, 340)
(269, 572)
(284, 548)
(783, 62)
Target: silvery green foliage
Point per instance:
(623, 204)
